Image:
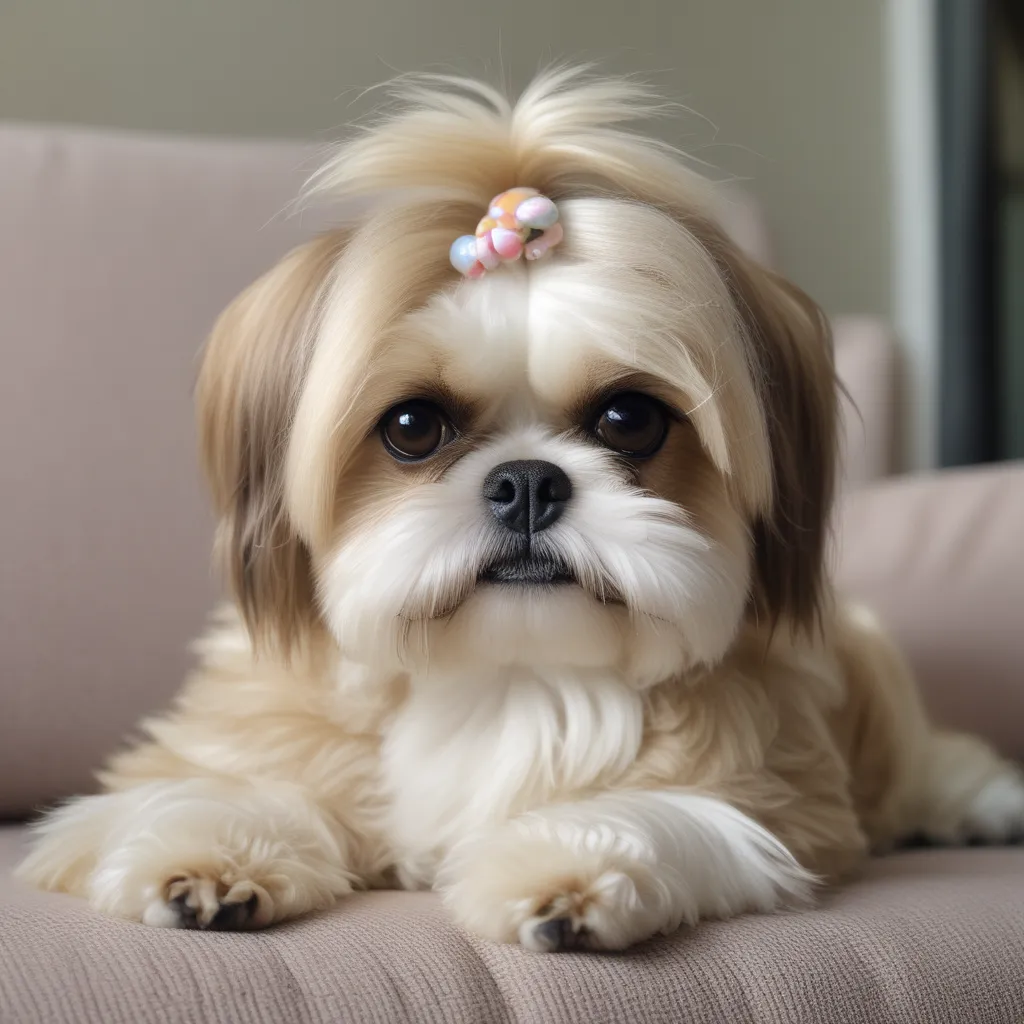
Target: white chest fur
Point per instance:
(468, 751)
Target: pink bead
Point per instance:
(485, 252)
(507, 244)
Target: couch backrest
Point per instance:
(116, 253)
(940, 558)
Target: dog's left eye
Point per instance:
(632, 424)
(415, 430)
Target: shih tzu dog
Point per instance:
(527, 564)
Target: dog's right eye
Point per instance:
(414, 430)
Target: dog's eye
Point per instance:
(415, 430)
(632, 424)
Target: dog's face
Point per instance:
(523, 486)
(604, 460)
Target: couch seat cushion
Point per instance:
(927, 936)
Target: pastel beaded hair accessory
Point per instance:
(518, 221)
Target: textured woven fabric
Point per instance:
(930, 936)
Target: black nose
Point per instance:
(527, 496)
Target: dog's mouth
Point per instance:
(527, 570)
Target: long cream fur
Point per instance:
(696, 729)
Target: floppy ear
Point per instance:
(791, 357)
(252, 372)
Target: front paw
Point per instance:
(549, 898)
(582, 912)
(616, 869)
(221, 890)
(209, 902)
(194, 853)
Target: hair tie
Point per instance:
(518, 221)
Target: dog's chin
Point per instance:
(525, 615)
(541, 621)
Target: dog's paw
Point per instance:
(188, 900)
(968, 794)
(194, 853)
(996, 813)
(602, 914)
(993, 815)
(551, 899)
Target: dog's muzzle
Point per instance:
(526, 497)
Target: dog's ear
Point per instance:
(252, 372)
(791, 357)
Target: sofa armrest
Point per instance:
(941, 558)
(865, 352)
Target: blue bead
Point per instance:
(463, 253)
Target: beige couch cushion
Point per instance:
(116, 254)
(927, 937)
(941, 558)
(867, 365)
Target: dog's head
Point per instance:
(609, 457)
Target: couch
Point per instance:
(116, 252)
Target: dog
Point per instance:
(530, 601)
